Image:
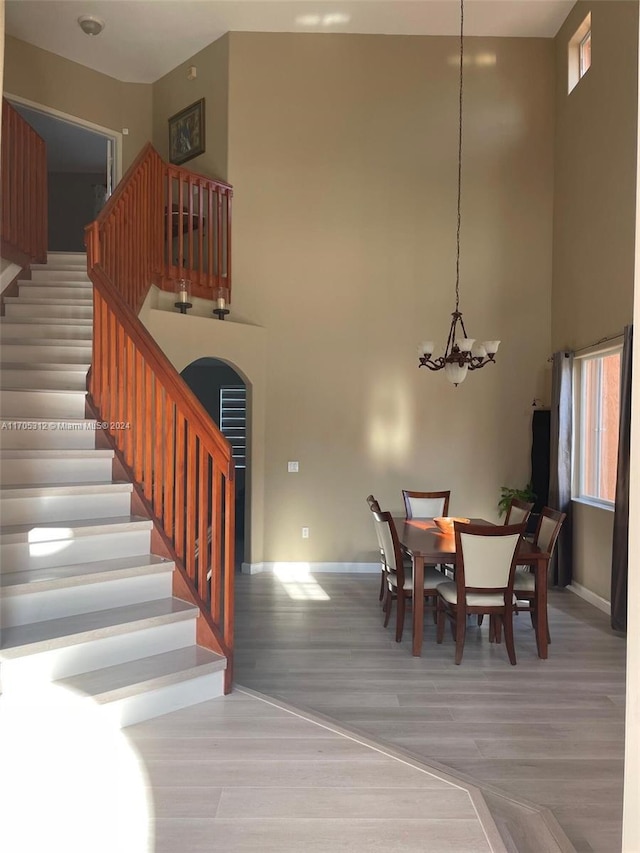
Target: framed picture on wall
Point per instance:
(186, 133)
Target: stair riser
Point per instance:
(46, 353)
(48, 404)
(66, 259)
(63, 380)
(86, 598)
(56, 290)
(154, 703)
(59, 275)
(29, 309)
(40, 439)
(55, 331)
(15, 472)
(16, 557)
(97, 653)
(44, 510)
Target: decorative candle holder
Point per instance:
(183, 295)
(222, 297)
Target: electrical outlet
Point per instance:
(292, 467)
(305, 532)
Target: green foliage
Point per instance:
(507, 495)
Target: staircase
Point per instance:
(84, 604)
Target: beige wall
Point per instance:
(342, 153)
(174, 92)
(52, 81)
(594, 218)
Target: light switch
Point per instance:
(292, 467)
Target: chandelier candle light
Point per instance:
(461, 353)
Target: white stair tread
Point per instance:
(27, 453)
(77, 367)
(34, 490)
(19, 340)
(127, 679)
(48, 321)
(79, 267)
(44, 300)
(59, 577)
(57, 282)
(43, 391)
(71, 630)
(73, 528)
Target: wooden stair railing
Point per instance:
(23, 199)
(164, 223)
(179, 460)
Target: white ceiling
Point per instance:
(144, 39)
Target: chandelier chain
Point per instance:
(459, 154)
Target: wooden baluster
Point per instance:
(190, 225)
(228, 264)
(121, 404)
(169, 466)
(160, 449)
(105, 355)
(169, 223)
(219, 235)
(138, 467)
(210, 240)
(229, 554)
(216, 543)
(130, 400)
(96, 359)
(113, 370)
(148, 432)
(180, 485)
(180, 227)
(191, 486)
(203, 521)
(201, 221)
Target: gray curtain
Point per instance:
(620, 556)
(560, 570)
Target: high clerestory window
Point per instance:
(579, 53)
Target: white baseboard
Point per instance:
(591, 597)
(313, 568)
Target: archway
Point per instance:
(224, 393)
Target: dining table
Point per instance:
(423, 541)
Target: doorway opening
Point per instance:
(223, 392)
(82, 168)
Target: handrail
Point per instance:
(179, 223)
(23, 199)
(172, 450)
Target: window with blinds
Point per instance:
(233, 421)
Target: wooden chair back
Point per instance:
(390, 545)
(518, 512)
(425, 504)
(486, 558)
(549, 525)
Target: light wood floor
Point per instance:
(549, 731)
(240, 774)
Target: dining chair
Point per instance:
(398, 579)
(545, 538)
(374, 506)
(425, 504)
(518, 512)
(485, 571)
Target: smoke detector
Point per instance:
(91, 25)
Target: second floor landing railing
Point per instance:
(161, 224)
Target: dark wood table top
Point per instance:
(421, 537)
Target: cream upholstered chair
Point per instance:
(485, 570)
(399, 581)
(518, 512)
(374, 506)
(425, 504)
(545, 538)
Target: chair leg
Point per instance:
(388, 601)
(480, 618)
(400, 616)
(492, 628)
(461, 628)
(508, 635)
(382, 586)
(440, 620)
(498, 629)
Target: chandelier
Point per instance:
(461, 353)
